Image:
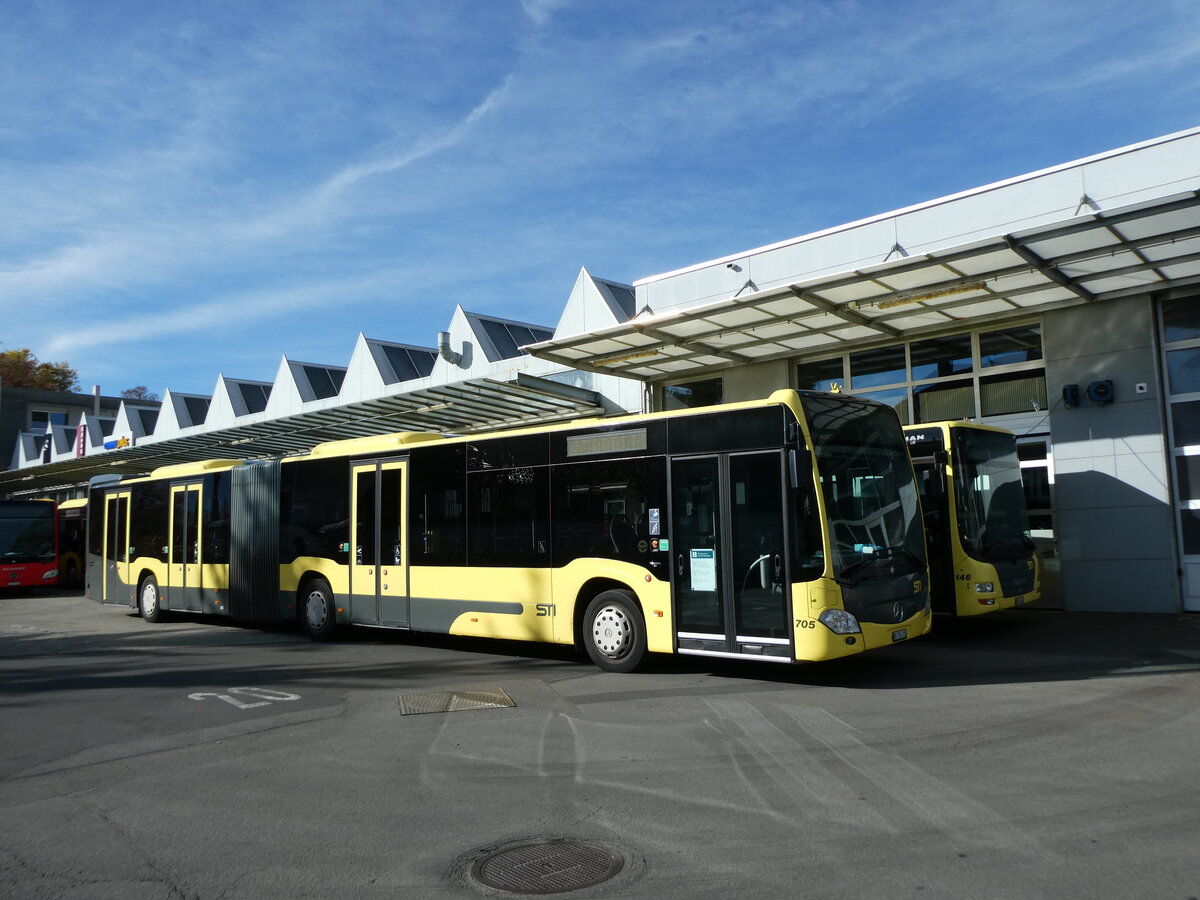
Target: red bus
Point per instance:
(28, 543)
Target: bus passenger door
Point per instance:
(379, 563)
(183, 588)
(729, 552)
(115, 587)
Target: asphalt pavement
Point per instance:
(1031, 753)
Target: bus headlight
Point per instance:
(984, 587)
(839, 621)
(53, 573)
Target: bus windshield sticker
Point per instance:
(704, 570)
(655, 522)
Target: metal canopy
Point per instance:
(465, 407)
(1099, 256)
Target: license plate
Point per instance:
(900, 635)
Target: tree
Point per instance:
(20, 368)
(141, 392)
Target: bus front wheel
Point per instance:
(317, 614)
(614, 633)
(150, 600)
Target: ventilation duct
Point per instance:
(444, 349)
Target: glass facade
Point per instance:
(970, 375)
(1179, 330)
(707, 392)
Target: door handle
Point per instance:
(679, 565)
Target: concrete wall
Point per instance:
(1112, 493)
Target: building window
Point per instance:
(1010, 345)
(40, 418)
(944, 400)
(822, 375)
(708, 392)
(1018, 392)
(990, 373)
(897, 398)
(1183, 370)
(873, 368)
(939, 357)
(1180, 320)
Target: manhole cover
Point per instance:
(453, 701)
(546, 867)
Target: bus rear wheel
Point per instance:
(150, 600)
(318, 617)
(614, 633)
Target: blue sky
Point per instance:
(192, 188)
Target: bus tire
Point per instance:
(150, 600)
(614, 633)
(318, 616)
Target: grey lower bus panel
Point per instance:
(254, 543)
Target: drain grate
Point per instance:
(547, 867)
(453, 701)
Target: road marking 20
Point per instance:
(264, 696)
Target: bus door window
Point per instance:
(695, 518)
(364, 518)
(391, 522)
(183, 564)
(757, 545)
(378, 573)
(116, 549)
(364, 543)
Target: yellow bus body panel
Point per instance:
(968, 572)
(654, 597)
(481, 587)
(292, 574)
(815, 642)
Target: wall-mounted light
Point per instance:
(900, 298)
(612, 360)
(1101, 392)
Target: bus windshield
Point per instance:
(988, 496)
(866, 477)
(26, 532)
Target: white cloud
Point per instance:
(540, 11)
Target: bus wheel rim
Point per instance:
(612, 632)
(149, 597)
(316, 610)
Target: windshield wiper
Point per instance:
(1023, 539)
(847, 574)
(912, 557)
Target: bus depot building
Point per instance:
(1063, 305)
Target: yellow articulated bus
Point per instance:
(981, 557)
(785, 530)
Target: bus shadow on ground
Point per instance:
(1008, 648)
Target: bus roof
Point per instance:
(194, 468)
